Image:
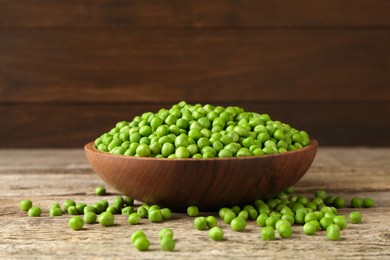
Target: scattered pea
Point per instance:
(166, 213)
(167, 244)
(90, 217)
(267, 233)
(368, 203)
(193, 211)
(100, 191)
(25, 205)
(200, 223)
(155, 216)
(133, 218)
(106, 219)
(333, 232)
(355, 217)
(142, 243)
(76, 222)
(216, 233)
(238, 224)
(165, 232)
(55, 212)
(34, 211)
(211, 221)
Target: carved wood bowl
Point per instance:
(207, 183)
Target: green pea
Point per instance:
(72, 210)
(228, 217)
(90, 217)
(284, 230)
(165, 232)
(167, 244)
(89, 209)
(166, 213)
(55, 212)
(142, 212)
(128, 210)
(356, 203)
(67, 203)
(355, 217)
(243, 214)
(141, 243)
(34, 211)
(238, 224)
(200, 223)
(211, 221)
(182, 152)
(193, 211)
(267, 233)
(137, 234)
(368, 203)
(341, 221)
(261, 220)
(106, 219)
(133, 219)
(333, 232)
(76, 222)
(325, 222)
(309, 229)
(25, 205)
(155, 216)
(339, 202)
(216, 233)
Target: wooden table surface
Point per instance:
(47, 176)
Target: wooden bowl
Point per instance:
(207, 183)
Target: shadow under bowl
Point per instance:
(207, 183)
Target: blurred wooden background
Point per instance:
(69, 70)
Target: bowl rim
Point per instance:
(90, 147)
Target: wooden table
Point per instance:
(47, 176)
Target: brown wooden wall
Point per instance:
(70, 69)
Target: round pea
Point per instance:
(211, 221)
(355, 217)
(25, 205)
(238, 224)
(166, 213)
(167, 244)
(106, 219)
(55, 212)
(141, 243)
(155, 216)
(133, 219)
(341, 221)
(356, 203)
(165, 232)
(267, 233)
(333, 232)
(34, 211)
(193, 211)
(309, 229)
(216, 233)
(200, 223)
(137, 234)
(76, 222)
(368, 203)
(284, 230)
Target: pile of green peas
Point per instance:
(201, 131)
(275, 215)
(278, 214)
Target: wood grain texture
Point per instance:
(73, 125)
(198, 14)
(120, 65)
(45, 177)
